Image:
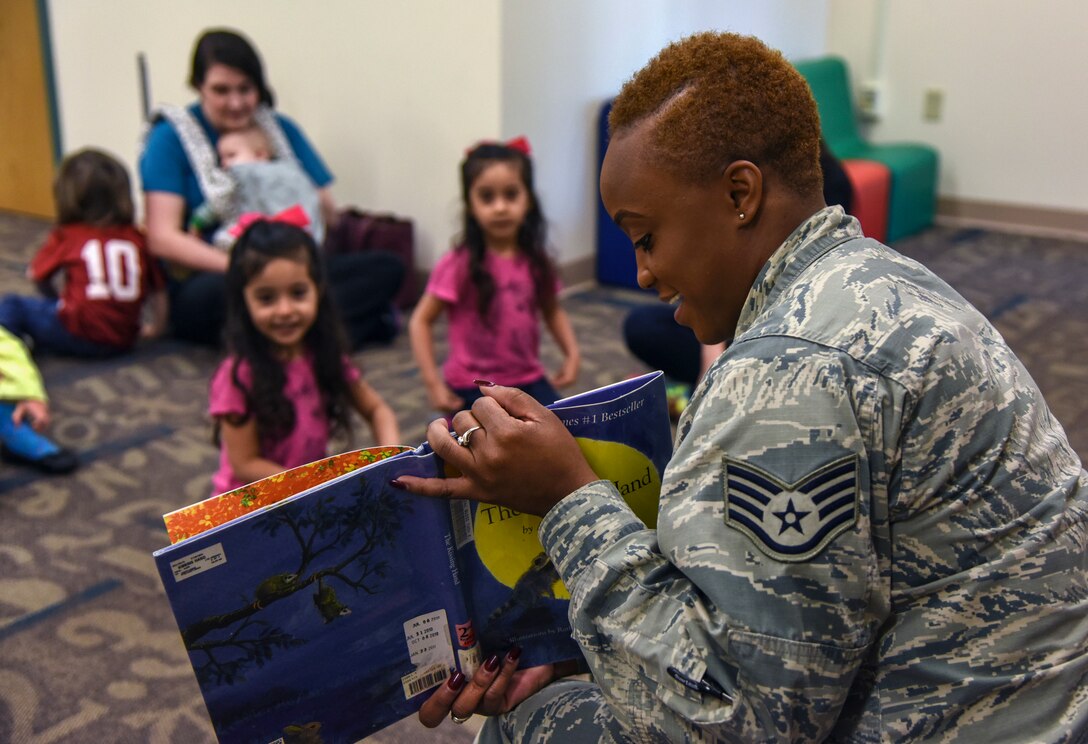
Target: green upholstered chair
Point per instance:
(913, 199)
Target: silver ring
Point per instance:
(453, 716)
(464, 439)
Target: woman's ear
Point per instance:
(744, 181)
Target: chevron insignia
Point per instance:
(792, 522)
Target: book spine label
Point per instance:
(190, 565)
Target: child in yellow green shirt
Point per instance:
(24, 412)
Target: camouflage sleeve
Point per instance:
(746, 614)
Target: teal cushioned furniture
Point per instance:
(913, 200)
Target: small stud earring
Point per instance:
(741, 215)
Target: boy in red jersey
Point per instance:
(108, 272)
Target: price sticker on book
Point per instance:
(430, 650)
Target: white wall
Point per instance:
(563, 58)
(389, 92)
(393, 93)
(1015, 78)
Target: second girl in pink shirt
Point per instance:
(494, 287)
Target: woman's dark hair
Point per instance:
(93, 188)
(532, 234)
(223, 47)
(262, 242)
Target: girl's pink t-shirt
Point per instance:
(307, 442)
(505, 349)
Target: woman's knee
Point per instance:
(378, 272)
(198, 309)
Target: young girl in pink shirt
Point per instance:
(494, 287)
(287, 383)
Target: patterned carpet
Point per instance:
(88, 648)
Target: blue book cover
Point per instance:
(513, 591)
(338, 609)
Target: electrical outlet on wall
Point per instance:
(869, 101)
(933, 104)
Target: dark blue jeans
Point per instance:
(37, 318)
(659, 342)
(542, 390)
(22, 439)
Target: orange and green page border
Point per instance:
(212, 512)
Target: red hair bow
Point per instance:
(519, 144)
(293, 215)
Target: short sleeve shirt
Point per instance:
(108, 274)
(309, 439)
(506, 348)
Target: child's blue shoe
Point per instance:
(22, 445)
(60, 461)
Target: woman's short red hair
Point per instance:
(719, 97)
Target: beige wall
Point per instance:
(392, 93)
(563, 58)
(389, 92)
(1014, 78)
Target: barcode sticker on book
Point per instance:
(461, 512)
(424, 679)
(431, 651)
(198, 562)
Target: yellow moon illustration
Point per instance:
(507, 541)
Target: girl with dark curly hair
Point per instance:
(287, 384)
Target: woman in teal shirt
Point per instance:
(229, 78)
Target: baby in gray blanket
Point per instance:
(264, 186)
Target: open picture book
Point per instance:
(325, 601)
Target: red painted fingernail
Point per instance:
(456, 681)
(397, 484)
(492, 663)
(483, 383)
(513, 654)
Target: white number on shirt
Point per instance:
(113, 271)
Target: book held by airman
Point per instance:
(333, 610)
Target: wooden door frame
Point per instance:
(31, 118)
(45, 45)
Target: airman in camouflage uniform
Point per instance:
(872, 530)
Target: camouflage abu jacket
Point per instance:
(872, 530)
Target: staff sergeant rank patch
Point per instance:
(791, 522)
